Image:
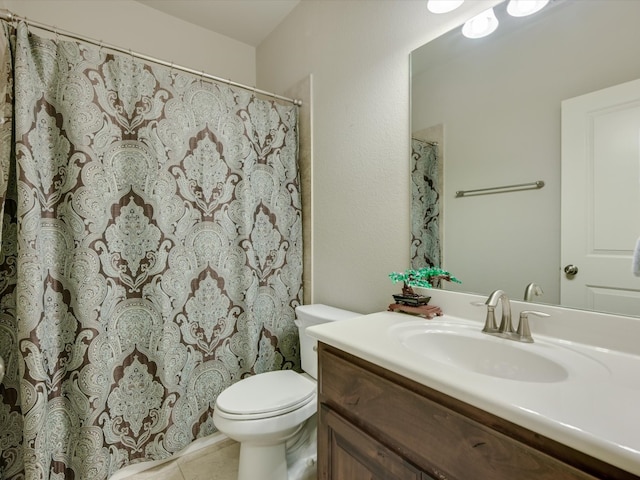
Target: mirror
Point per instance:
(493, 106)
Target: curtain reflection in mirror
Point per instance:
(425, 193)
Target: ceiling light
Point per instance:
(522, 8)
(481, 25)
(443, 6)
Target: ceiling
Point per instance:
(248, 21)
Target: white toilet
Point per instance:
(272, 413)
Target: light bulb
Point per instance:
(522, 8)
(443, 6)
(481, 25)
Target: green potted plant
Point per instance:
(422, 277)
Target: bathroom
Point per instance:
(358, 56)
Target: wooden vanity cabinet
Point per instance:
(375, 424)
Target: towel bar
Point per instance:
(507, 188)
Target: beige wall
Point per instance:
(358, 52)
(132, 25)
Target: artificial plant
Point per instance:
(422, 277)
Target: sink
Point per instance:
(466, 347)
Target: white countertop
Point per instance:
(596, 412)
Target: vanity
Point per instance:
(410, 398)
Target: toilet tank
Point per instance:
(308, 316)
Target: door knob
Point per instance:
(571, 269)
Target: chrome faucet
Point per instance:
(531, 290)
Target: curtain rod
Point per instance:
(8, 16)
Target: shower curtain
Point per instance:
(425, 205)
(151, 255)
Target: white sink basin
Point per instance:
(466, 347)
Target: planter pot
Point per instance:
(412, 300)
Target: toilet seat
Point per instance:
(266, 395)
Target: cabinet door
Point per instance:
(352, 454)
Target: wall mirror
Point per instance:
(494, 108)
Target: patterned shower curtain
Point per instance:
(151, 255)
(425, 205)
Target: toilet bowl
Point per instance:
(269, 412)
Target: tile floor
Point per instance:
(214, 462)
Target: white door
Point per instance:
(600, 199)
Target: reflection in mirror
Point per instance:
(494, 108)
(425, 204)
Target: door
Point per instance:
(600, 200)
(345, 453)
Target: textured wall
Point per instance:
(129, 24)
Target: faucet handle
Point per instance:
(524, 332)
(490, 322)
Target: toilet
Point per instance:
(272, 414)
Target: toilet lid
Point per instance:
(266, 394)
